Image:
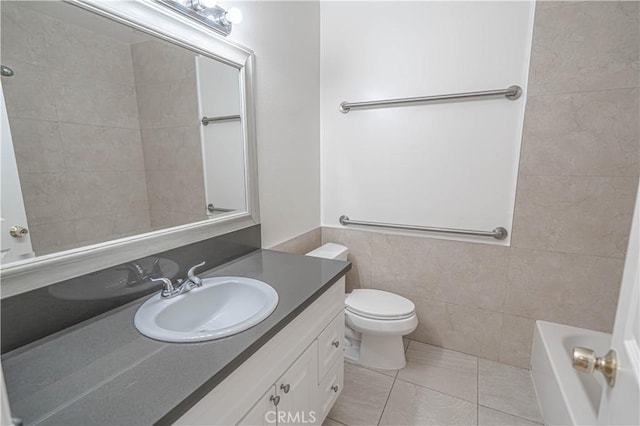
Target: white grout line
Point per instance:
(477, 390)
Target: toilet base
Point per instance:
(383, 352)
(352, 354)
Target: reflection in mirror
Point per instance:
(129, 280)
(106, 130)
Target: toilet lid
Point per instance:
(378, 304)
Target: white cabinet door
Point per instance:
(330, 343)
(297, 389)
(330, 388)
(264, 412)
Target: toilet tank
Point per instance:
(330, 251)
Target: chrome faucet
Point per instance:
(182, 286)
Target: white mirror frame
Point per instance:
(158, 20)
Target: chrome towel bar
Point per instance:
(512, 93)
(498, 233)
(206, 120)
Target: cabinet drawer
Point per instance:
(330, 345)
(331, 387)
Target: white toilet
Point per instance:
(375, 321)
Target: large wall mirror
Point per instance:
(126, 130)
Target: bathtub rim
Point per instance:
(552, 336)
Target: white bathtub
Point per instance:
(567, 397)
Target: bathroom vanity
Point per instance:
(71, 352)
(104, 371)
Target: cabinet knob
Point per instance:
(335, 388)
(336, 343)
(285, 388)
(275, 399)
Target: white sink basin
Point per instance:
(221, 307)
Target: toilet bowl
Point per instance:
(378, 319)
(375, 321)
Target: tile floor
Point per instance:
(437, 387)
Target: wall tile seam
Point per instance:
(66, 171)
(465, 306)
(502, 314)
(460, 351)
(73, 123)
(302, 234)
(77, 77)
(546, 250)
(195, 125)
(107, 215)
(19, 117)
(95, 171)
(448, 302)
(507, 282)
(141, 140)
(162, 83)
(181, 126)
(609, 176)
(578, 92)
(536, 318)
(85, 79)
(501, 340)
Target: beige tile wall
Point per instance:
(302, 244)
(74, 122)
(165, 81)
(575, 194)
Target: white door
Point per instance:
(12, 212)
(222, 141)
(620, 404)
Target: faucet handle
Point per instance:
(155, 267)
(168, 290)
(192, 276)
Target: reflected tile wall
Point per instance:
(165, 81)
(74, 123)
(576, 189)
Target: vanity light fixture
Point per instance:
(208, 12)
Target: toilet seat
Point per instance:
(379, 305)
(385, 327)
(377, 317)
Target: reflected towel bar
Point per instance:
(512, 93)
(499, 233)
(206, 120)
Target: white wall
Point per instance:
(286, 39)
(448, 165)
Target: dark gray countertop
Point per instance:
(104, 372)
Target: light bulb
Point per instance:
(207, 4)
(233, 15)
